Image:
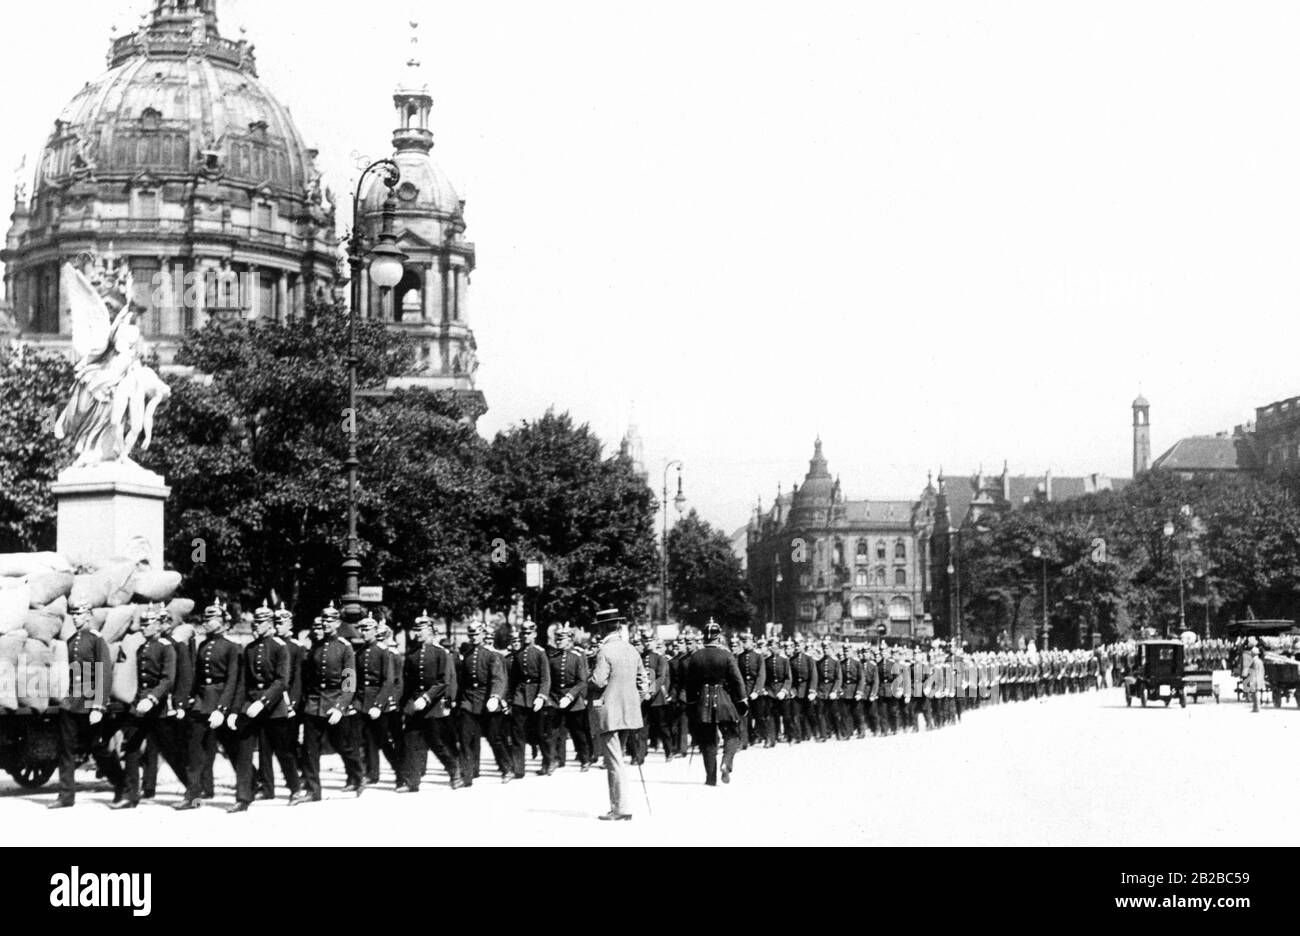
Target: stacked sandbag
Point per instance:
(34, 677)
(14, 604)
(11, 650)
(157, 587)
(49, 588)
(26, 565)
(125, 676)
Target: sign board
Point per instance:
(534, 574)
(372, 594)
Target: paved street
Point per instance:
(1076, 769)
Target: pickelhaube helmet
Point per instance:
(80, 608)
(331, 613)
(712, 630)
(283, 615)
(264, 615)
(423, 620)
(474, 628)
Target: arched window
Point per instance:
(863, 550)
(881, 581)
(861, 579)
(900, 609)
(900, 549)
(862, 607)
(880, 550)
(900, 576)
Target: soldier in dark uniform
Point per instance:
(871, 690)
(173, 740)
(753, 670)
(850, 722)
(375, 688)
(216, 682)
(826, 706)
(156, 676)
(803, 684)
(329, 680)
(290, 757)
(481, 684)
(655, 710)
(392, 716)
(777, 685)
(569, 675)
(262, 709)
(83, 716)
(428, 693)
(528, 687)
(676, 697)
(714, 690)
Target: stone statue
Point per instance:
(114, 395)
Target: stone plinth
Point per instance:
(111, 510)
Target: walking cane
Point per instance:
(645, 790)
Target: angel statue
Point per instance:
(114, 395)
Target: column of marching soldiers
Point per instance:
(275, 702)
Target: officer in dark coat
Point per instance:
(329, 680)
(871, 690)
(428, 694)
(529, 692)
(173, 740)
(826, 706)
(481, 688)
(376, 688)
(677, 697)
(567, 713)
(290, 758)
(83, 716)
(803, 686)
(850, 720)
(778, 689)
(262, 708)
(715, 693)
(156, 677)
(753, 669)
(216, 682)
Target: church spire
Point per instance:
(413, 102)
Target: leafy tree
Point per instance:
(255, 457)
(589, 519)
(704, 576)
(34, 386)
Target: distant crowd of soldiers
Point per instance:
(278, 702)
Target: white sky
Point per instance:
(944, 233)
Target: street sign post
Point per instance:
(534, 574)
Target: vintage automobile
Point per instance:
(1157, 674)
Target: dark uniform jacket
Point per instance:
(264, 677)
(870, 680)
(803, 675)
(753, 670)
(297, 654)
(569, 675)
(155, 664)
(713, 686)
(828, 676)
(778, 675)
(529, 677)
(184, 672)
(90, 673)
(657, 670)
(376, 683)
(399, 681)
(329, 677)
(851, 678)
(216, 676)
(677, 677)
(479, 675)
(428, 672)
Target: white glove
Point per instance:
(835, 695)
(374, 713)
(421, 704)
(539, 703)
(812, 696)
(493, 704)
(781, 695)
(753, 696)
(566, 701)
(145, 706)
(233, 722)
(335, 716)
(179, 714)
(96, 716)
(255, 709)
(215, 720)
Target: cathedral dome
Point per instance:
(424, 187)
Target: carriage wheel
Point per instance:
(33, 776)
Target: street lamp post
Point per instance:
(1047, 627)
(386, 271)
(954, 572)
(679, 502)
(1178, 558)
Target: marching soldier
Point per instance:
(329, 679)
(529, 691)
(375, 689)
(826, 706)
(713, 689)
(83, 716)
(779, 690)
(654, 710)
(481, 685)
(871, 690)
(850, 722)
(753, 670)
(173, 741)
(677, 698)
(216, 682)
(569, 675)
(262, 709)
(289, 756)
(156, 677)
(429, 691)
(803, 683)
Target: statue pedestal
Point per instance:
(111, 510)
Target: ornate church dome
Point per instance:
(180, 162)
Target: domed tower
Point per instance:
(431, 304)
(1141, 436)
(181, 164)
(813, 499)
